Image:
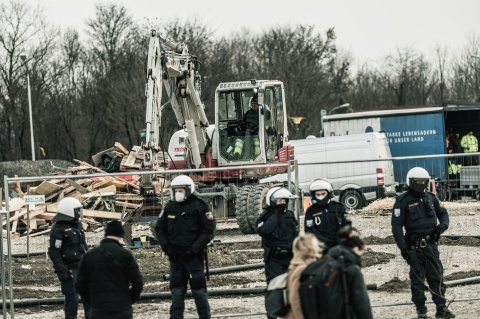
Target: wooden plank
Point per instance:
(100, 183)
(15, 222)
(12, 235)
(52, 210)
(47, 187)
(106, 191)
(40, 233)
(47, 216)
(77, 186)
(102, 171)
(129, 197)
(121, 148)
(33, 212)
(132, 156)
(19, 189)
(128, 205)
(101, 214)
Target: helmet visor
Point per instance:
(78, 212)
(419, 185)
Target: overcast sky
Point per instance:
(369, 29)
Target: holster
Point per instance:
(279, 253)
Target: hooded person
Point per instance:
(67, 246)
(325, 217)
(109, 278)
(348, 253)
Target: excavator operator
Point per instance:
(248, 127)
(250, 120)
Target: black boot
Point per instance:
(444, 312)
(422, 312)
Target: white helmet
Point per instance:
(182, 181)
(321, 184)
(68, 209)
(418, 179)
(278, 193)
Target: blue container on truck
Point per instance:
(410, 132)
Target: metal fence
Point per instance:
(359, 181)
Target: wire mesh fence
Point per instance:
(237, 292)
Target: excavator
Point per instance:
(229, 142)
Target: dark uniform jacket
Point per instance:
(325, 221)
(185, 225)
(358, 297)
(110, 280)
(418, 214)
(277, 229)
(251, 120)
(67, 245)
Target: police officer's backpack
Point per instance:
(276, 299)
(322, 288)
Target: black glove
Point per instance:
(63, 276)
(189, 254)
(440, 229)
(405, 255)
(167, 250)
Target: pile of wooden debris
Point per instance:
(103, 198)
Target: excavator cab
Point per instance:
(250, 121)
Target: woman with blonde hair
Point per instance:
(306, 249)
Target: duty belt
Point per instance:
(420, 241)
(281, 253)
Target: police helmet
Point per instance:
(321, 184)
(418, 179)
(278, 193)
(182, 181)
(69, 208)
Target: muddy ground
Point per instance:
(382, 265)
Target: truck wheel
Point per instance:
(241, 209)
(256, 203)
(352, 199)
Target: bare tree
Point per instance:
(23, 30)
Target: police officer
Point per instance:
(278, 228)
(67, 246)
(325, 217)
(184, 229)
(417, 211)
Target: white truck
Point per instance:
(357, 165)
(231, 193)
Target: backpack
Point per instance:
(276, 299)
(323, 289)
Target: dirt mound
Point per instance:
(395, 285)
(33, 168)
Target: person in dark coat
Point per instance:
(351, 247)
(417, 211)
(184, 229)
(325, 217)
(278, 228)
(67, 246)
(109, 278)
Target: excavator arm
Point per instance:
(170, 64)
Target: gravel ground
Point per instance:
(457, 256)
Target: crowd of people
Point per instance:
(109, 280)
(456, 145)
